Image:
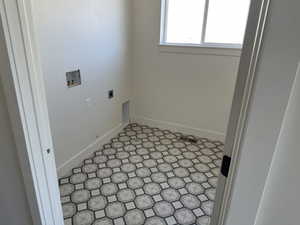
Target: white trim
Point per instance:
(240, 108)
(76, 160)
(176, 127)
(204, 23)
(31, 113)
(204, 45)
(189, 49)
(163, 22)
(16, 119)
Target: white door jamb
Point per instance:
(240, 106)
(26, 99)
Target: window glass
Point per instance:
(184, 21)
(226, 21)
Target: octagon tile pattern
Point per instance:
(144, 176)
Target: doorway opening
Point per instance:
(151, 171)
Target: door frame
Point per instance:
(25, 93)
(27, 106)
(254, 34)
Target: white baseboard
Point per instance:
(65, 168)
(176, 127)
(76, 160)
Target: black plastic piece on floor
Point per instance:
(188, 139)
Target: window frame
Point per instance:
(203, 44)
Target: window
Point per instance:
(211, 23)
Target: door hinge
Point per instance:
(225, 165)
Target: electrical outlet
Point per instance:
(110, 94)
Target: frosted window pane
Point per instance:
(226, 21)
(184, 21)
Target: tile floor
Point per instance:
(144, 176)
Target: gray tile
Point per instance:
(194, 188)
(130, 205)
(204, 220)
(99, 214)
(68, 221)
(190, 201)
(144, 202)
(69, 210)
(155, 221)
(149, 212)
(115, 210)
(177, 205)
(80, 196)
(152, 188)
(79, 186)
(65, 199)
(112, 198)
(144, 176)
(83, 218)
(126, 195)
(95, 192)
(170, 195)
(81, 206)
(208, 207)
(163, 209)
(185, 216)
(135, 217)
(66, 189)
(104, 221)
(109, 189)
(171, 220)
(93, 183)
(119, 177)
(97, 203)
(119, 221)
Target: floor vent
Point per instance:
(188, 139)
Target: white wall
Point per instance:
(194, 90)
(276, 72)
(97, 37)
(91, 35)
(280, 202)
(14, 209)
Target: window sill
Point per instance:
(208, 49)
